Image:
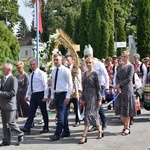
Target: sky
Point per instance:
(26, 12)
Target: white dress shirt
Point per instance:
(100, 68)
(144, 69)
(64, 81)
(39, 83)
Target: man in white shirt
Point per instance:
(38, 88)
(77, 87)
(60, 94)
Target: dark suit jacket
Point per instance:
(8, 94)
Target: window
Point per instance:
(26, 53)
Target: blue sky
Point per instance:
(25, 12)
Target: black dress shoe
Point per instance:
(5, 144)
(26, 131)
(44, 131)
(76, 124)
(20, 140)
(55, 137)
(65, 135)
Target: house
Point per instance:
(28, 47)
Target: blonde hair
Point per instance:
(90, 58)
(20, 64)
(127, 53)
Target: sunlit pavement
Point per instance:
(139, 139)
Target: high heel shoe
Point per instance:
(83, 141)
(100, 135)
(126, 132)
(123, 131)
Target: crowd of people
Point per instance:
(87, 86)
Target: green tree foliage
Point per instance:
(84, 25)
(101, 27)
(107, 13)
(122, 13)
(13, 8)
(143, 28)
(76, 37)
(9, 45)
(70, 24)
(22, 28)
(54, 13)
(94, 31)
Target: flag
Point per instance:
(37, 11)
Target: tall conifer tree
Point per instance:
(143, 28)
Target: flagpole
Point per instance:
(37, 32)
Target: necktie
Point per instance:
(4, 80)
(32, 81)
(56, 74)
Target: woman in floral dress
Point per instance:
(124, 85)
(91, 98)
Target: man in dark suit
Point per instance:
(8, 103)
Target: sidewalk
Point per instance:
(139, 139)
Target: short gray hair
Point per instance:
(9, 66)
(136, 55)
(33, 59)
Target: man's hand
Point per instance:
(99, 103)
(66, 101)
(44, 99)
(52, 101)
(26, 99)
(107, 91)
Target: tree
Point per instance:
(83, 26)
(122, 13)
(70, 24)
(13, 8)
(54, 13)
(9, 45)
(107, 14)
(22, 29)
(94, 36)
(143, 28)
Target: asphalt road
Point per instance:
(139, 139)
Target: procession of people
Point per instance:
(115, 81)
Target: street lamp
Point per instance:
(6, 14)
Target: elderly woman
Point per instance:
(91, 98)
(124, 85)
(23, 81)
